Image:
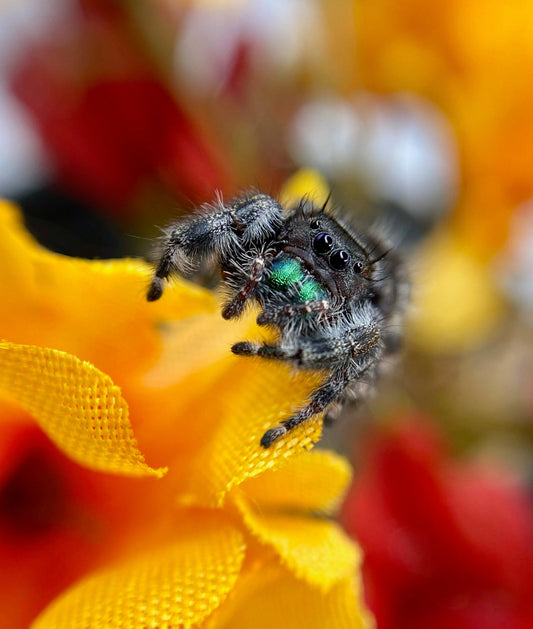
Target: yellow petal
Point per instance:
(306, 183)
(187, 387)
(455, 303)
(78, 407)
(314, 550)
(286, 602)
(314, 481)
(95, 310)
(256, 395)
(178, 586)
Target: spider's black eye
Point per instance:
(315, 224)
(339, 259)
(358, 267)
(323, 243)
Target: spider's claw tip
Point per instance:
(155, 290)
(271, 435)
(244, 348)
(263, 319)
(228, 313)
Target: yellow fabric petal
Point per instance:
(78, 407)
(314, 481)
(179, 403)
(95, 310)
(174, 587)
(255, 395)
(314, 550)
(284, 601)
(219, 405)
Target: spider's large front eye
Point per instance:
(339, 259)
(323, 243)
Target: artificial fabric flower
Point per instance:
(163, 510)
(446, 544)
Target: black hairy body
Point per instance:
(335, 296)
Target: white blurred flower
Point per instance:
(401, 149)
(327, 135)
(278, 34)
(23, 162)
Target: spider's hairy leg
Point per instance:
(213, 232)
(257, 217)
(328, 397)
(236, 305)
(347, 352)
(245, 348)
(321, 398)
(280, 315)
(190, 240)
(168, 262)
(356, 390)
(279, 352)
(355, 346)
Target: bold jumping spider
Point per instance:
(336, 297)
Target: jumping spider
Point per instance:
(335, 296)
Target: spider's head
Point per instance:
(335, 257)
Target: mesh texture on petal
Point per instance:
(175, 587)
(314, 481)
(314, 550)
(78, 407)
(284, 601)
(263, 393)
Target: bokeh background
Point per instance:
(116, 115)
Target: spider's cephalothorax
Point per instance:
(336, 297)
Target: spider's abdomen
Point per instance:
(287, 275)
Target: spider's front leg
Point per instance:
(214, 232)
(321, 398)
(349, 350)
(281, 315)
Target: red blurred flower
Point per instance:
(114, 129)
(58, 520)
(446, 544)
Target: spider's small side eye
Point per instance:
(339, 259)
(358, 267)
(316, 223)
(323, 243)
